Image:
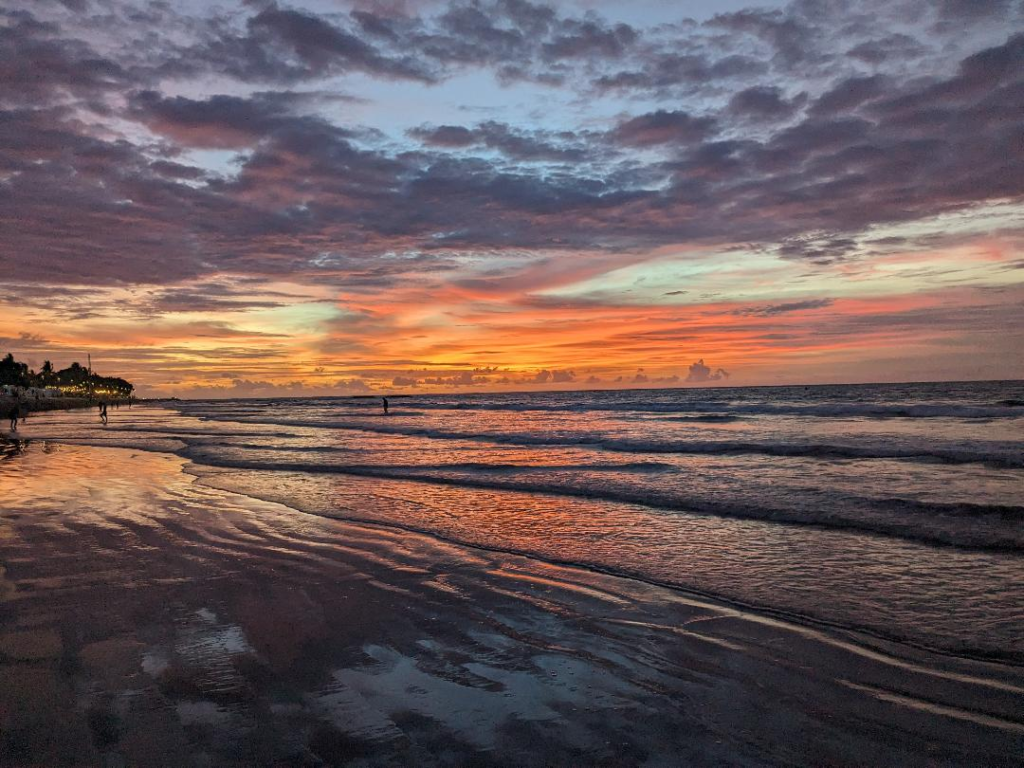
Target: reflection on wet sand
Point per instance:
(149, 619)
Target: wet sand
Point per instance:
(42, 404)
(149, 619)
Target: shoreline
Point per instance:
(872, 636)
(44, 404)
(258, 633)
(869, 639)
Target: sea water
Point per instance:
(894, 509)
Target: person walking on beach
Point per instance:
(13, 414)
(384, 402)
(103, 412)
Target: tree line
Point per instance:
(75, 380)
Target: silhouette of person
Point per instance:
(103, 412)
(13, 414)
(384, 402)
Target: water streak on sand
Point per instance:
(150, 618)
(937, 709)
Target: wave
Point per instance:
(1007, 455)
(709, 418)
(1003, 409)
(975, 526)
(470, 466)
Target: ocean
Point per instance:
(895, 510)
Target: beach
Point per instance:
(519, 383)
(151, 618)
(30, 404)
(150, 615)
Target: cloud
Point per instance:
(248, 388)
(770, 310)
(867, 155)
(39, 66)
(792, 39)
(516, 144)
(285, 45)
(850, 93)
(215, 296)
(663, 127)
(455, 136)
(226, 122)
(887, 48)
(167, 162)
(699, 373)
(586, 38)
(554, 377)
(458, 379)
(972, 10)
(761, 102)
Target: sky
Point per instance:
(331, 197)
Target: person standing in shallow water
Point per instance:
(13, 415)
(103, 412)
(384, 402)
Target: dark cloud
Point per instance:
(445, 136)
(174, 170)
(817, 248)
(667, 71)
(887, 48)
(850, 93)
(458, 379)
(314, 198)
(589, 38)
(285, 45)
(514, 143)
(217, 296)
(242, 388)
(663, 127)
(38, 65)
(761, 102)
(699, 373)
(972, 10)
(772, 310)
(553, 377)
(792, 39)
(224, 121)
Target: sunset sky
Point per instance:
(330, 197)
